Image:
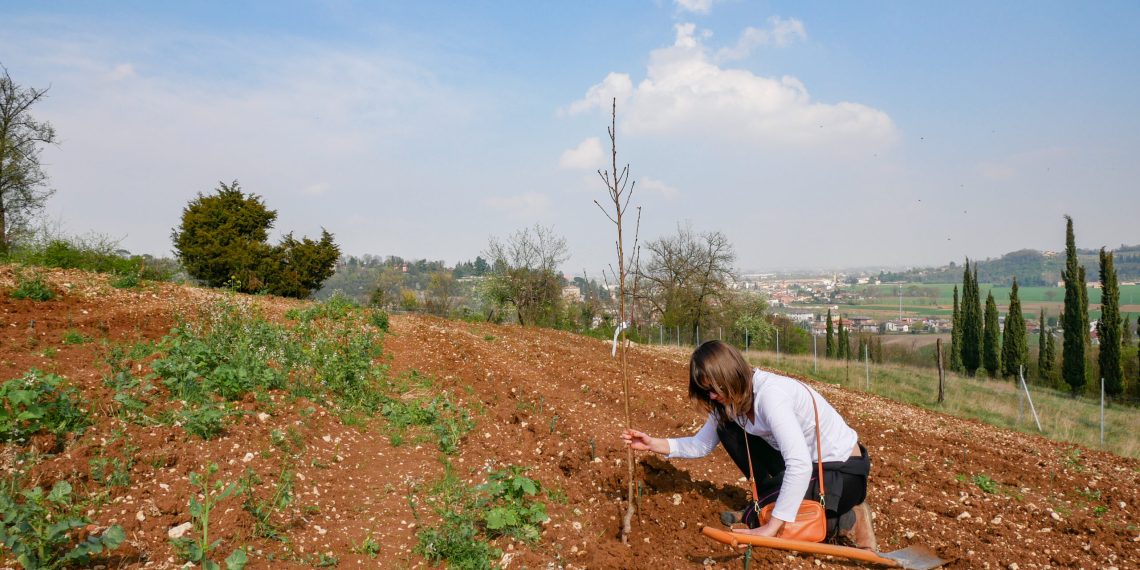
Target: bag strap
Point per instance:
(819, 455)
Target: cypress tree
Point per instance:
(843, 349)
(830, 351)
(1073, 349)
(1108, 328)
(1050, 355)
(956, 335)
(991, 346)
(971, 337)
(1126, 331)
(1014, 348)
(1042, 330)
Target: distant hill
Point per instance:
(1031, 267)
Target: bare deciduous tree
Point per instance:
(23, 182)
(687, 276)
(524, 272)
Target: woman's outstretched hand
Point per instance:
(643, 442)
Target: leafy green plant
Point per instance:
(985, 483)
(41, 529)
(32, 288)
(126, 281)
(197, 548)
(448, 422)
(37, 403)
(73, 336)
(379, 319)
(368, 547)
(504, 505)
(114, 471)
(206, 421)
(263, 509)
(509, 506)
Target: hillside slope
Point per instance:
(549, 400)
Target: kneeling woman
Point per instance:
(776, 415)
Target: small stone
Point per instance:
(909, 534)
(322, 531)
(166, 487)
(574, 549)
(179, 531)
(1012, 565)
(264, 417)
(578, 526)
(328, 438)
(139, 516)
(995, 520)
(1053, 514)
(965, 515)
(677, 498)
(249, 457)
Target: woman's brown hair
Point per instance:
(719, 368)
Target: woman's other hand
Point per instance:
(641, 441)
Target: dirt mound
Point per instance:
(549, 400)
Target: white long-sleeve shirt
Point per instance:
(784, 418)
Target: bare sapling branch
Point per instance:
(620, 191)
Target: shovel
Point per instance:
(911, 557)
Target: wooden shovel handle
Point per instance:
(739, 539)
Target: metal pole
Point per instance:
(1024, 386)
(1102, 411)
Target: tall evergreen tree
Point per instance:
(1108, 328)
(1014, 348)
(1050, 356)
(956, 335)
(1076, 305)
(991, 346)
(1042, 331)
(971, 322)
(830, 351)
(843, 350)
(1126, 332)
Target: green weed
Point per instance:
(502, 506)
(985, 483)
(368, 547)
(73, 336)
(32, 288)
(263, 509)
(39, 529)
(196, 548)
(37, 403)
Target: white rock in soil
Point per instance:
(139, 516)
(1055, 516)
(249, 457)
(965, 515)
(264, 417)
(995, 520)
(179, 531)
(1012, 565)
(677, 498)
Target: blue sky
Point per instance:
(812, 134)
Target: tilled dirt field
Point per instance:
(988, 498)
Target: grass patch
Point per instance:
(413, 409)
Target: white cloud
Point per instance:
(695, 6)
(685, 93)
(779, 33)
(658, 187)
(526, 206)
(588, 155)
(122, 71)
(318, 189)
(615, 85)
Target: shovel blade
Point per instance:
(915, 558)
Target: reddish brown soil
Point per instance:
(550, 400)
